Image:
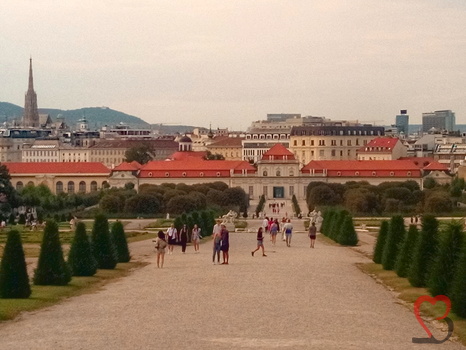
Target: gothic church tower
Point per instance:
(31, 113)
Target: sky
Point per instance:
(229, 63)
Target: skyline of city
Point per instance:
(200, 66)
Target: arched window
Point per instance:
(278, 173)
(291, 172)
(264, 173)
(30, 183)
(82, 187)
(59, 187)
(105, 184)
(19, 186)
(70, 187)
(93, 186)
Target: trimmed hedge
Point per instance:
(405, 256)
(80, 258)
(121, 244)
(396, 235)
(102, 244)
(380, 244)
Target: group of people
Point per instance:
(221, 239)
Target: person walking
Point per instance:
(225, 244)
(274, 231)
(160, 245)
(312, 233)
(216, 236)
(184, 238)
(288, 231)
(172, 238)
(260, 242)
(195, 237)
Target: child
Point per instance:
(160, 245)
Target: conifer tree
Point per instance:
(121, 244)
(51, 268)
(14, 281)
(80, 258)
(328, 219)
(348, 235)
(396, 235)
(424, 252)
(405, 256)
(445, 264)
(380, 243)
(102, 244)
(458, 290)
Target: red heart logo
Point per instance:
(433, 301)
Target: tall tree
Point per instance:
(8, 198)
(396, 235)
(51, 268)
(141, 153)
(380, 244)
(80, 258)
(424, 252)
(121, 244)
(405, 256)
(348, 234)
(458, 292)
(14, 281)
(102, 244)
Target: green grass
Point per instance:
(409, 294)
(161, 223)
(43, 296)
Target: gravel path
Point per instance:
(295, 298)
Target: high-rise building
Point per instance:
(402, 122)
(439, 120)
(31, 113)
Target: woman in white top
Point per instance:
(172, 238)
(288, 231)
(195, 237)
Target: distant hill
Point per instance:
(96, 116)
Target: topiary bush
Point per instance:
(51, 268)
(424, 252)
(80, 258)
(348, 234)
(14, 281)
(380, 243)
(22, 219)
(395, 237)
(458, 289)
(102, 244)
(405, 256)
(121, 244)
(445, 264)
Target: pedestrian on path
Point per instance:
(260, 242)
(160, 245)
(312, 233)
(288, 231)
(184, 238)
(216, 242)
(274, 231)
(195, 237)
(171, 237)
(225, 244)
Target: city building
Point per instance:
(438, 121)
(382, 148)
(231, 148)
(332, 142)
(60, 177)
(259, 141)
(13, 139)
(402, 122)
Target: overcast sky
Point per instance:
(231, 62)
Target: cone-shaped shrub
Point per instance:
(14, 281)
(80, 259)
(445, 264)
(328, 219)
(51, 268)
(458, 290)
(380, 244)
(348, 235)
(396, 235)
(405, 256)
(121, 244)
(102, 244)
(424, 252)
(337, 224)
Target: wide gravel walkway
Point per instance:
(295, 298)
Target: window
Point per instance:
(19, 186)
(218, 174)
(291, 190)
(70, 187)
(295, 143)
(321, 153)
(348, 142)
(374, 173)
(82, 187)
(278, 173)
(59, 187)
(264, 191)
(264, 173)
(150, 174)
(392, 173)
(93, 186)
(303, 143)
(201, 174)
(251, 191)
(183, 174)
(338, 173)
(356, 173)
(334, 142)
(408, 173)
(312, 142)
(333, 153)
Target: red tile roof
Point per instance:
(436, 166)
(125, 166)
(186, 155)
(278, 152)
(227, 142)
(57, 168)
(420, 162)
(194, 167)
(380, 144)
(363, 168)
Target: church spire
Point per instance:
(31, 113)
(31, 83)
